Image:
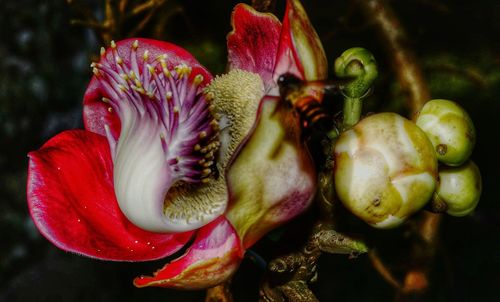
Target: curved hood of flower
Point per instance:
(167, 139)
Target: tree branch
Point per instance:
(411, 79)
(402, 57)
(219, 293)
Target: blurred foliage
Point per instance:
(44, 71)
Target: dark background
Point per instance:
(44, 69)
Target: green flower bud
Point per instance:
(450, 130)
(459, 188)
(385, 169)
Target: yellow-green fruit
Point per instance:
(450, 130)
(459, 188)
(385, 169)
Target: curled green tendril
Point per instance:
(359, 65)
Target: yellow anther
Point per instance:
(181, 70)
(176, 109)
(119, 60)
(203, 134)
(122, 88)
(132, 74)
(145, 56)
(209, 155)
(113, 44)
(93, 64)
(110, 109)
(105, 100)
(178, 68)
(205, 180)
(124, 76)
(95, 71)
(168, 95)
(137, 83)
(163, 62)
(207, 171)
(150, 94)
(162, 136)
(139, 89)
(197, 147)
(103, 51)
(167, 73)
(209, 96)
(135, 45)
(208, 164)
(198, 79)
(201, 161)
(151, 69)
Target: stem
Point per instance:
(352, 112)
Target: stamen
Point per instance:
(163, 144)
(198, 79)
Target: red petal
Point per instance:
(72, 202)
(272, 178)
(213, 258)
(95, 112)
(253, 43)
(300, 51)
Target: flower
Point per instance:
(165, 158)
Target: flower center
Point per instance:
(168, 139)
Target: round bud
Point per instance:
(385, 169)
(459, 188)
(450, 130)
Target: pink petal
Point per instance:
(72, 202)
(300, 52)
(95, 112)
(214, 256)
(253, 43)
(272, 178)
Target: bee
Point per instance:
(308, 98)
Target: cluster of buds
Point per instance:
(452, 135)
(388, 168)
